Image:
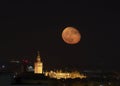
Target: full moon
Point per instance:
(71, 35)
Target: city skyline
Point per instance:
(30, 27)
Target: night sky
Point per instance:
(29, 26)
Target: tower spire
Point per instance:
(38, 53)
(38, 56)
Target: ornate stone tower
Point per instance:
(38, 66)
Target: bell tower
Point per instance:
(38, 65)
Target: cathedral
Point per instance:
(38, 65)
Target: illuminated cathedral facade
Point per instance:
(38, 69)
(38, 65)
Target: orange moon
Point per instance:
(71, 35)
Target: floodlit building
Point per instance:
(64, 75)
(38, 65)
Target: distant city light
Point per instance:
(25, 61)
(3, 66)
(14, 61)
